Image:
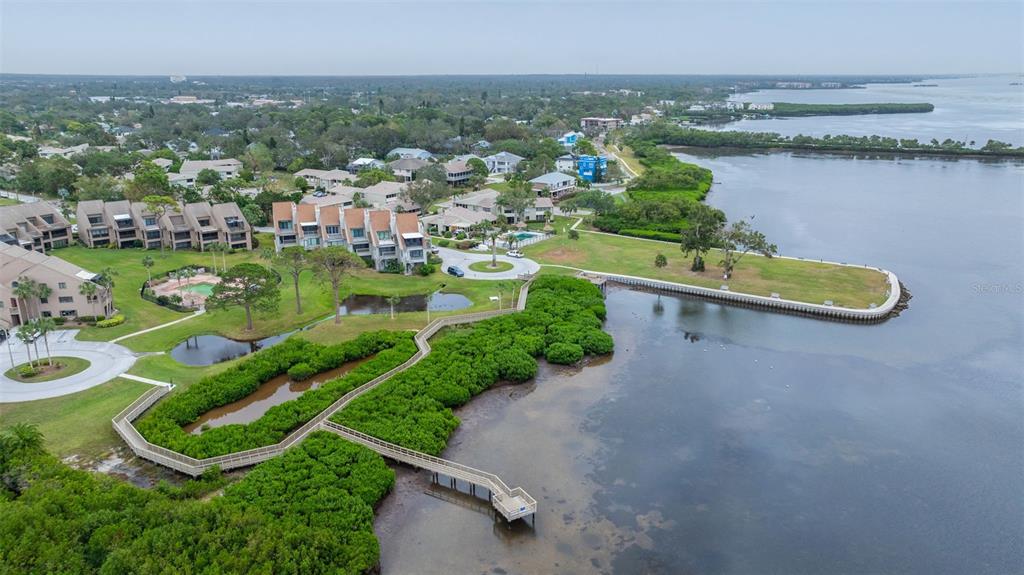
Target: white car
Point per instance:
(514, 254)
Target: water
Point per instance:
(966, 109)
(726, 440)
(211, 349)
(274, 392)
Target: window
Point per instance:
(66, 299)
(332, 230)
(384, 235)
(48, 218)
(284, 225)
(44, 300)
(47, 314)
(149, 221)
(358, 233)
(415, 254)
(68, 313)
(62, 285)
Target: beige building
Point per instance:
(63, 278)
(36, 226)
(129, 224)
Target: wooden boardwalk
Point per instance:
(510, 503)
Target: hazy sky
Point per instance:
(504, 37)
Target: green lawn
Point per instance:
(792, 279)
(78, 423)
(165, 368)
(8, 201)
(68, 366)
(485, 267)
(626, 155)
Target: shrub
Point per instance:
(460, 236)
(427, 269)
(301, 372)
(574, 235)
(116, 320)
(432, 259)
(465, 244)
(443, 243)
(447, 234)
(660, 261)
(564, 353)
(27, 371)
(60, 320)
(596, 342)
(652, 234)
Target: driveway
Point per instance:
(106, 361)
(520, 266)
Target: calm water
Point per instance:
(727, 440)
(211, 349)
(274, 392)
(965, 109)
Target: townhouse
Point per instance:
(388, 239)
(474, 208)
(63, 278)
(37, 226)
(186, 176)
(599, 124)
(324, 179)
(418, 153)
(405, 169)
(193, 226)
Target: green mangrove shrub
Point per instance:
(564, 353)
(413, 408)
(163, 424)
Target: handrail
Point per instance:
(122, 422)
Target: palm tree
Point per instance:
(503, 287)
(392, 300)
(89, 289)
(493, 234)
(213, 249)
(147, 262)
(24, 291)
(43, 291)
(23, 437)
(26, 335)
(106, 281)
(45, 325)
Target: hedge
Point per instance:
(163, 424)
(413, 408)
(115, 320)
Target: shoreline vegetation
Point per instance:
(669, 134)
(798, 110)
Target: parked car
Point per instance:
(514, 254)
(456, 271)
(435, 250)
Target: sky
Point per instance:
(350, 37)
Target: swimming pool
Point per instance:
(201, 289)
(520, 236)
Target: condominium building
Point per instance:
(189, 171)
(193, 226)
(324, 179)
(474, 208)
(36, 226)
(63, 278)
(381, 236)
(600, 124)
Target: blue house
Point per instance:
(592, 168)
(568, 140)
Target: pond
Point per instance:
(211, 349)
(274, 392)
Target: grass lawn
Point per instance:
(626, 155)
(485, 267)
(8, 201)
(165, 368)
(792, 279)
(62, 367)
(78, 423)
(500, 186)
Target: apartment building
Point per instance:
(405, 169)
(380, 235)
(186, 176)
(193, 226)
(477, 207)
(324, 179)
(63, 278)
(37, 226)
(599, 124)
(502, 162)
(556, 184)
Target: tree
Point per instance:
(213, 248)
(207, 177)
(42, 292)
(518, 198)
(585, 147)
(292, 258)
(44, 326)
(331, 264)
(258, 158)
(301, 183)
(660, 261)
(478, 166)
(430, 186)
(493, 234)
(89, 290)
(147, 262)
(22, 437)
(102, 187)
(159, 205)
(106, 283)
(704, 231)
(373, 176)
(392, 301)
(28, 333)
(249, 286)
(574, 235)
(254, 215)
(150, 180)
(738, 240)
(24, 292)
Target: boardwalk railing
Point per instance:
(511, 503)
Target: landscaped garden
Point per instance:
(47, 369)
(798, 280)
(487, 267)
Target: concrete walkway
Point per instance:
(161, 326)
(452, 257)
(106, 361)
(145, 380)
